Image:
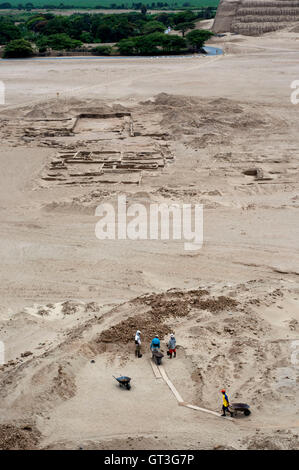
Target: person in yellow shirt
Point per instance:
(225, 406)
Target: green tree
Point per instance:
(58, 24)
(148, 45)
(58, 42)
(153, 27)
(104, 32)
(18, 48)
(152, 44)
(183, 27)
(86, 37)
(143, 10)
(164, 18)
(101, 50)
(197, 38)
(126, 47)
(34, 24)
(173, 43)
(8, 31)
(184, 17)
(77, 25)
(29, 6)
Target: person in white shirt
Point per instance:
(138, 344)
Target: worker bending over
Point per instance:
(155, 344)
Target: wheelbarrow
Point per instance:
(157, 357)
(123, 381)
(243, 407)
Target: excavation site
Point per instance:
(134, 342)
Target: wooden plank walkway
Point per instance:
(170, 384)
(160, 373)
(156, 370)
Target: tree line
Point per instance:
(28, 6)
(133, 33)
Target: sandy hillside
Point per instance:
(219, 131)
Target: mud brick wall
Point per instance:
(253, 18)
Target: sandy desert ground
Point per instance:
(70, 303)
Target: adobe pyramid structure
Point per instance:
(255, 17)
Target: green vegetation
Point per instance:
(8, 30)
(135, 33)
(153, 27)
(102, 50)
(98, 4)
(18, 48)
(160, 43)
(57, 42)
(152, 44)
(197, 38)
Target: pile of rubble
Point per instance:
(161, 308)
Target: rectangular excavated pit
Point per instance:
(104, 125)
